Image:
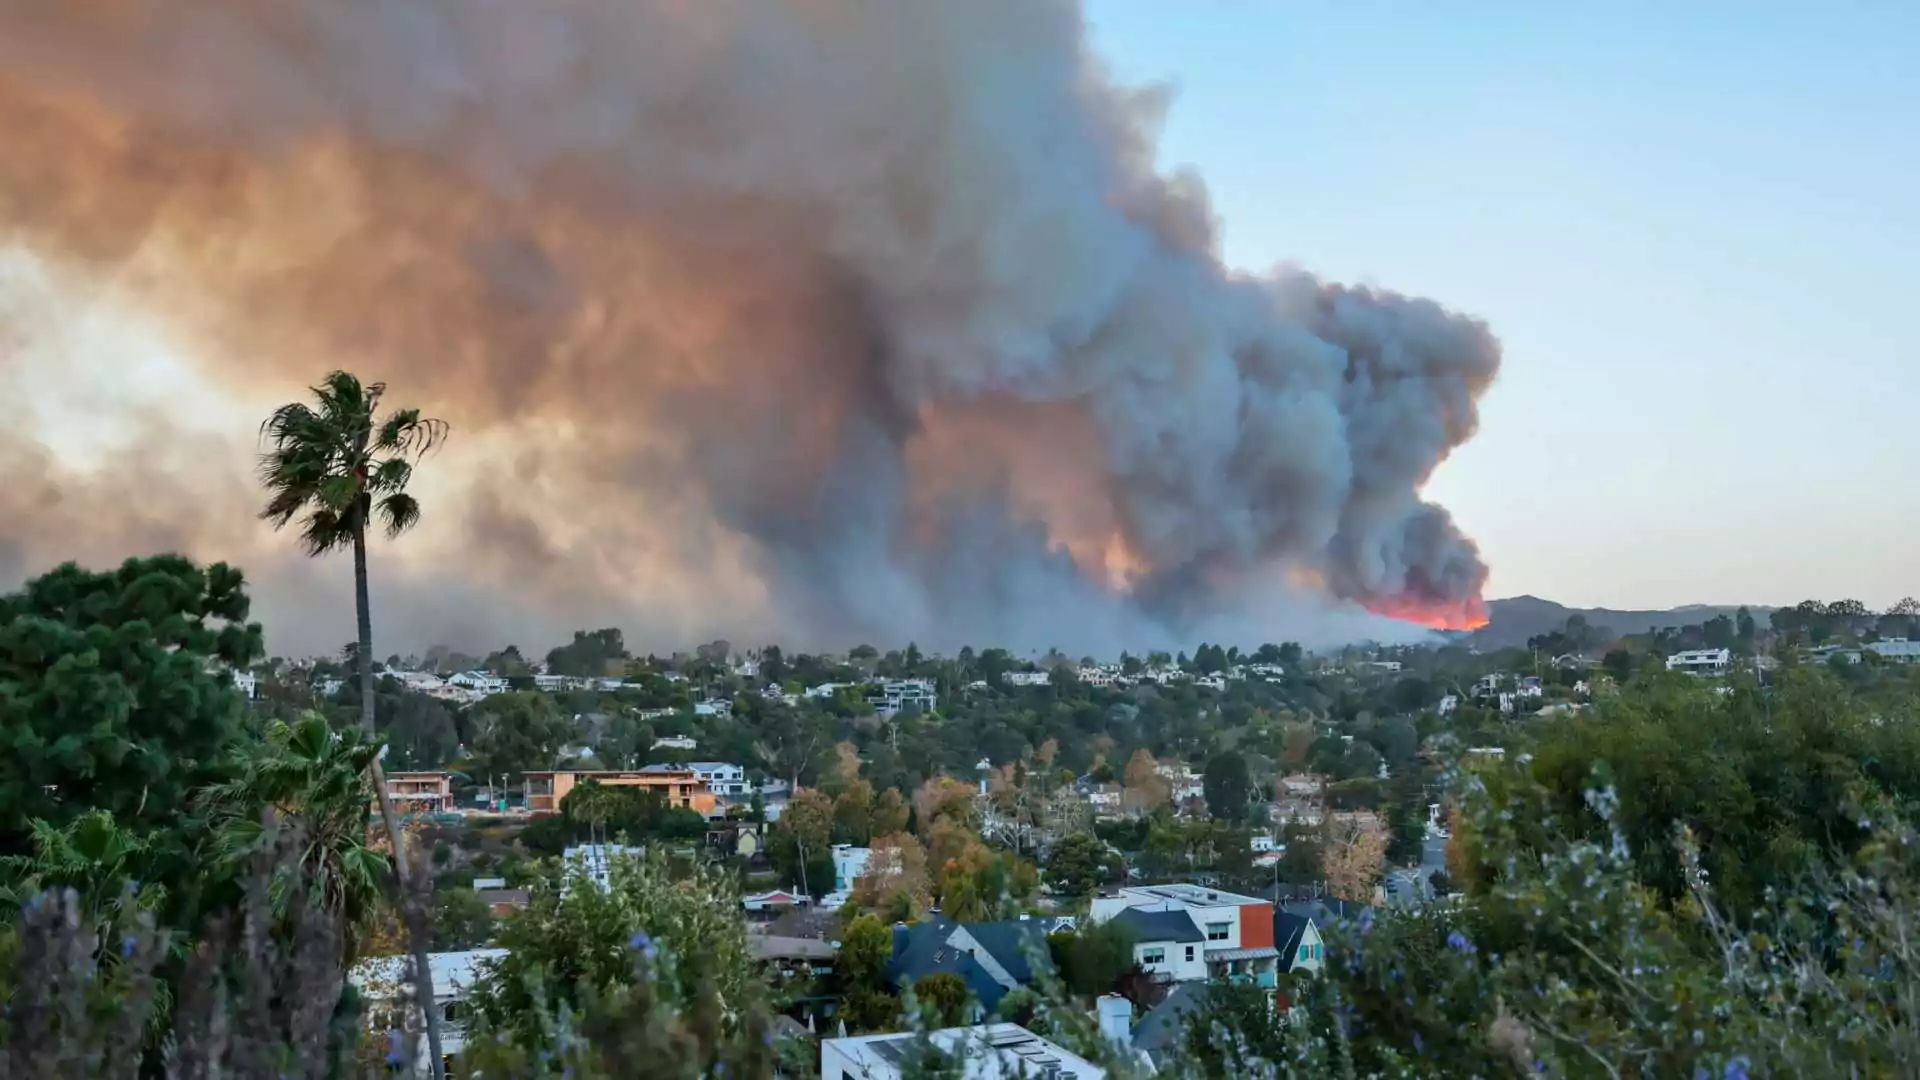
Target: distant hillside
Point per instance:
(1512, 621)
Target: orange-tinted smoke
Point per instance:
(823, 318)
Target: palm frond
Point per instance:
(333, 463)
(288, 423)
(389, 475)
(405, 431)
(345, 398)
(325, 531)
(400, 511)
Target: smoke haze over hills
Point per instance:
(818, 321)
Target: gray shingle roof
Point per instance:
(1016, 945)
(1145, 926)
(1287, 932)
(922, 949)
(1161, 1029)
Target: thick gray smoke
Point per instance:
(823, 319)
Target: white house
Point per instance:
(1166, 944)
(1228, 935)
(1105, 800)
(597, 860)
(418, 681)
(849, 862)
(713, 708)
(382, 981)
(479, 681)
(722, 778)
(1298, 942)
(675, 742)
(1099, 676)
(248, 686)
(984, 1052)
(1183, 782)
(891, 697)
(1027, 678)
(1897, 649)
(1446, 704)
(1701, 661)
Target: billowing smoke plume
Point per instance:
(825, 319)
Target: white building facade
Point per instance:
(1701, 661)
(722, 778)
(895, 696)
(984, 1052)
(849, 862)
(1899, 650)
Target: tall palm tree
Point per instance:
(340, 467)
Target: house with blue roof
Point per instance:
(992, 958)
(1166, 944)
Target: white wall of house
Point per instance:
(1897, 649)
(849, 863)
(722, 778)
(1701, 661)
(1309, 955)
(1221, 925)
(1219, 922)
(1179, 961)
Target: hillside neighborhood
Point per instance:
(1276, 796)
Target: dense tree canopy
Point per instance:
(518, 731)
(116, 692)
(1768, 783)
(1228, 787)
(601, 652)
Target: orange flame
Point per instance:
(1469, 614)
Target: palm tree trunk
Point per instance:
(422, 973)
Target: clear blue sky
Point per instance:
(1696, 228)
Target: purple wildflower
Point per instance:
(1458, 942)
(128, 944)
(643, 945)
(1736, 1069)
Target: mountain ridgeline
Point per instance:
(1511, 622)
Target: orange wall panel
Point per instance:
(1256, 926)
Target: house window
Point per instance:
(1219, 931)
(1189, 954)
(1306, 952)
(1153, 956)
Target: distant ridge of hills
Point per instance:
(1510, 622)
